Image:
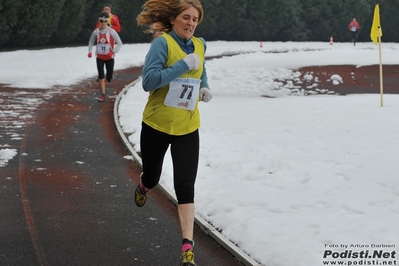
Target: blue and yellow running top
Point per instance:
(173, 120)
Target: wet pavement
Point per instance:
(67, 197)
(355, 79)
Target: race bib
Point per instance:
(103, 48)
(183, 93)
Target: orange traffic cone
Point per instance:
(261, 45)
(331, 40)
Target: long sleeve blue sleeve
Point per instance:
(204, 77)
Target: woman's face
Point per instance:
(185, 23)
(107, 9)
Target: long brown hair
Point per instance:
(156, 14)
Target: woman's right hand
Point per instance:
(192, 61)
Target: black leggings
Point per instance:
(185, 154)
(109, 65)
(354, 36)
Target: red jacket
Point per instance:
(113, 21)
(354, 24)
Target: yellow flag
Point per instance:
(376, 30)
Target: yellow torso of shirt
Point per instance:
(170, 120)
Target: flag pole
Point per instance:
(381, 82)
(375, 34)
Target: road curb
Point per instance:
(204, 225)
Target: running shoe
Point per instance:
(102, 98)
(187, 258)
(140, 197)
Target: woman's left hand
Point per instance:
(205, 94)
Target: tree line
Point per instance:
(33, 23)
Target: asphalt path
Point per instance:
(67, 198)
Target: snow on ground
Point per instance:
(288, 179)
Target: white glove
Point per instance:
(205, 94)
(192, 60)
